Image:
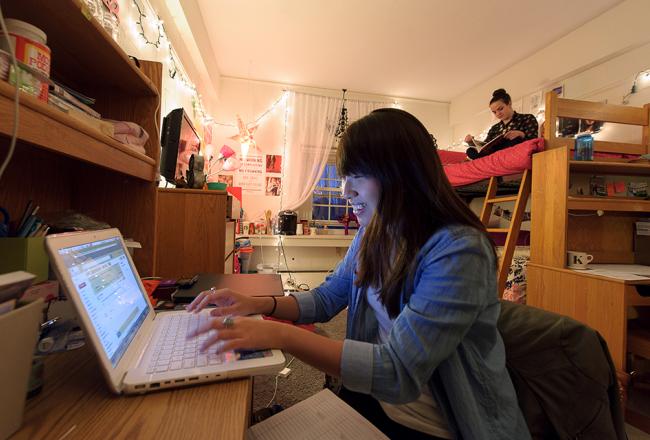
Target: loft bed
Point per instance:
(516, 160)
(608, 238)
(566, 219)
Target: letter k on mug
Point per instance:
(578, 260)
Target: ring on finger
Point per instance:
(228, 322)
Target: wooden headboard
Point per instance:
(620, 114)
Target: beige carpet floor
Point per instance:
(303, 381)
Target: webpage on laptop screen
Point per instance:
(109, 291)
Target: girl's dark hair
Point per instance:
(416, 198)
(500, 95)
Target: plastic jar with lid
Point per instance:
(30, 46)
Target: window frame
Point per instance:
(335, 191)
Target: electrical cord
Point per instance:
(14, 134)
(291, 281)
(277, 376)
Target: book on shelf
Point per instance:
(65, 105)
(63, 90)
(104, 127)
(63, 95)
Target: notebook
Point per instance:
(139, 350)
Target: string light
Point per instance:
(175, 69)
(154, 22)
(282, 99)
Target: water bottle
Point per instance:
(584, 147)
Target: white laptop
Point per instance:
(139, 350)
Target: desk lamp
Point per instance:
(228, 160)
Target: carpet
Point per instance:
(303, 381)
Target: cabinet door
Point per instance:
(190, 232)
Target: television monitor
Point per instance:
(179, 141)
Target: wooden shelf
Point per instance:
(617, 204)
(83, 53)
(610, 167)
(324, 240)
(46, 127)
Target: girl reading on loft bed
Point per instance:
(422, 358)
(512, 128)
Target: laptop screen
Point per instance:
(107, 285)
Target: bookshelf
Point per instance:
(63, 164)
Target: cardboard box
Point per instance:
(26, 254)
(18, 336)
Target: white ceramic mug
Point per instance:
(578, 260)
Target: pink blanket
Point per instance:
(511, 160)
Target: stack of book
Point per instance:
(78, 106)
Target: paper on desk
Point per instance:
(627, 272)
(322, 416)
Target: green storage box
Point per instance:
(26, 254)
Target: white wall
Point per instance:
(596, 61)
(250, 99)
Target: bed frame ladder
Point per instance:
(513, 228)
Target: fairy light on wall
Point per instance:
(281, 100)
(175, 69)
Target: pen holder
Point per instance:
(19, 329)
(26, 254)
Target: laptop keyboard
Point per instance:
(173, 351)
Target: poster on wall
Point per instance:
(273, 186)
(274, 163)
(251, 175)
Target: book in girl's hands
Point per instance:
(488, 145)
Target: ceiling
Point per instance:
(426, 49)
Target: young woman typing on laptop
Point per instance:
(422, 356)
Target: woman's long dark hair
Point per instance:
(416, 198)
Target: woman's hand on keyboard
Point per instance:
(240, 333)
(227, 302)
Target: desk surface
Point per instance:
(76, 403)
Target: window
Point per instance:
(328, 204)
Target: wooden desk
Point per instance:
(76, 403)
(600, 302)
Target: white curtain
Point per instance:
(311, 123)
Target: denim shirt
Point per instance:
(445, 336)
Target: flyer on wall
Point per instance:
(251, 175)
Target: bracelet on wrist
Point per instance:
(275, 304)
